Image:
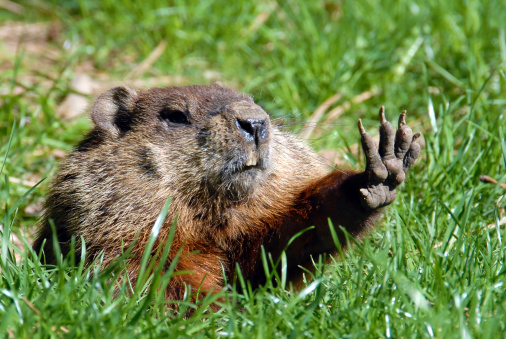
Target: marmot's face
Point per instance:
(208, 137)
(234, 149)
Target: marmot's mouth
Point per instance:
(249, 168)
(252, 162)
(253, 167)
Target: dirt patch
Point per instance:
(36, 58)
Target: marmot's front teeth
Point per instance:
(252, 159)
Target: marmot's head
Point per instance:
(207, 139)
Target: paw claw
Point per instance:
(402, 119)
(360, 126)
(383, 120)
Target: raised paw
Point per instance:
(388, 163)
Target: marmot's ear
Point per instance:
(112, 110)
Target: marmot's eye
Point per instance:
(174, 116)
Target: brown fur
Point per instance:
(114, 184)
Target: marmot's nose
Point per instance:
(253, 129)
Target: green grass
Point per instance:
(434, 267)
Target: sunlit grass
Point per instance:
(434, 267)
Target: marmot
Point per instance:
(236, 182)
